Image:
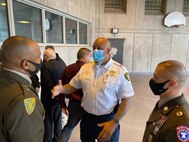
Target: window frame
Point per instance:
(114, 10)
(43, 10)
(186, 13)
(8, 18)
(162, 11)
(40, 21)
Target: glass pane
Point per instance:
(53, 27)
(114, 4)
(186, 6)
(82, 33)
(4, 31)
(27, 20)
(153, 5)
(71, 31)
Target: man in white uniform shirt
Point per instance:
(104, 83)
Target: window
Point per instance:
(115, 6)
(53, 27)
(26, 17)
(82, 33)
(27, 20)
(186, 7)
(155, 7)
(71, 31)
(4, 31)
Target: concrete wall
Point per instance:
(147, 40)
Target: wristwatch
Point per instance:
(116, 120)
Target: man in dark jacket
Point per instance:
(169, 121)
(57, 56)
(50, 74)
(21, 112)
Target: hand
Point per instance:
(56, 89)
(37, 89)
(107, 131)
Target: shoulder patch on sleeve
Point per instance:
(127, 76)
(182, 132)
(29, 105)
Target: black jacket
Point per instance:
(50, 74)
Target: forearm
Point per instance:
(68, 89)
(59, 89)
(123, 108)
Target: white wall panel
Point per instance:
(127, 49)
(179, 47)
(142, 52)
(161, 49)
(143, 21)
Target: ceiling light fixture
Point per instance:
(23, 22)
(3, 4)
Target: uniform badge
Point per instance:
(112, 73)
(127, 76)
(179, 113)
(182, 133)
(159, 124)
(165, 108)
(29, 105)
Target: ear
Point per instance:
(24, 64)
(173, 83)
(108, 50)
(85, 58)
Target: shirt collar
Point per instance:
(108, 64)
(164, 101)
(19, 73)
(82, 62)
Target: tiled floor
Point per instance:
(133, 124)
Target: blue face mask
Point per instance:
(98, 56)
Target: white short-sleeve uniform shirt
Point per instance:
(102, 87)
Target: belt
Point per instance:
(89, 115)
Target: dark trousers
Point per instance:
(90, 129)
(52, 122)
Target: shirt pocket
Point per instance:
(112, 83)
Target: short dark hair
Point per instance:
(82, 52)
(49, 47)
(16, 47)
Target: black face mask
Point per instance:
(37, 68)
(157, 88)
